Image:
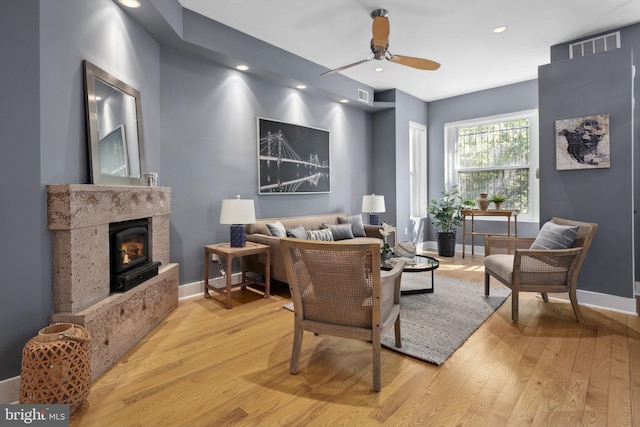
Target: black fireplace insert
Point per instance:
(130, 261)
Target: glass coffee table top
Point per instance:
(413, 265)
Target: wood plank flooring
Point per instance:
(207, 366)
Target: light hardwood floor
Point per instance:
(207, 366)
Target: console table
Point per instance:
(508, 214)
(229, 253)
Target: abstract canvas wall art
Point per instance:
(583, 143)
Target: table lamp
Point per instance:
(373, 205)
(237, 212)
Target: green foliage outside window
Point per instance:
(495, 159)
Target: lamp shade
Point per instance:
(237, 211)
(373, 204)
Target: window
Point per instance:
(496, 155)
(417, 170)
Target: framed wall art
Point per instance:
(583, 143)
(292, 159)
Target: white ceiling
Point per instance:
(456, 33)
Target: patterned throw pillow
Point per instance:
(357, 227)
(277, 229)
(340, 231)
(555, 236)
(324, 235)
(297, 233)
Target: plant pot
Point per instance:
(446, 243)
(498, 205)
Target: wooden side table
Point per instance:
(229, 253)
(489, 212)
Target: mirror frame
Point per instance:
(91, 73)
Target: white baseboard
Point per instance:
(10, 390)
(196, 289)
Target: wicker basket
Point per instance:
(55, 366)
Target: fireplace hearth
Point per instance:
(79, 218)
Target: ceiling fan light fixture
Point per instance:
(500, 29)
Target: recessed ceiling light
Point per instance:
(301, 86)
(344, 101)
(500, 29)
(130, 3)
(242, 67)
(378, 69)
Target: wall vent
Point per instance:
(595, 45)
(363, 96)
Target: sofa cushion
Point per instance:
(323, 235)
(277, 229)
(357, 227)
(555, 236)
(297, 232)
(339, 231)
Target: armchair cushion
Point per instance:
(501, 265)
(555, 236)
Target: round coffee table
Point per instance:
(416, 264)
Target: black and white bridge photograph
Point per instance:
(292, 158)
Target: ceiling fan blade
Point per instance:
(380, 30)
(345, 67)
(419, 63)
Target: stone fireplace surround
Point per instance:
(78, 216)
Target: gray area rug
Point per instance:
(435, 325)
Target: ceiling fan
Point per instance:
(380, 47)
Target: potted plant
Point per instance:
(497, 201)
(447, 215)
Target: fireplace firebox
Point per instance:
(130, 261)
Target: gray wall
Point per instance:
(25, 264)
(581, 87)
(506, 99)
(209, 150)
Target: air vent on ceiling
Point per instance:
(363, 96)
(595, 45)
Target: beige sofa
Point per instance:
(259, 233)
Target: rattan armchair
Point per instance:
(338, 289)
(510, 261)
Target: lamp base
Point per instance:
(374, 219)
(238, 236)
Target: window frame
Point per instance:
(451, 139)
(418, 176)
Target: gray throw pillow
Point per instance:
(277, 229)
(357, 227)
(340, 231)
(297, 233)
(555, 236)
(323, 235)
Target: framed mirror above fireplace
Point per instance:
(114, 128)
